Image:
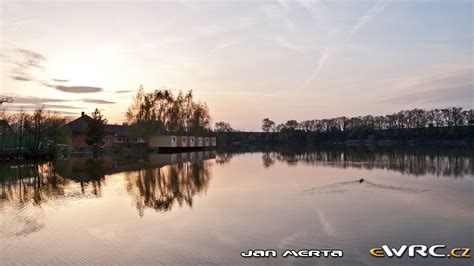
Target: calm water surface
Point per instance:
(207, 207)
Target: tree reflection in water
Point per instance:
(155, 181)
(30, 183)
(36, 183)
(161, 188)
(412, 160)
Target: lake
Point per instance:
(205, 208)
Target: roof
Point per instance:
(79, 125)
(118, 130)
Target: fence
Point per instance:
(12, 141)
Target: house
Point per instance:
(115, 135)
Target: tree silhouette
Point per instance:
(96, 130)
(161, 112)
(222, 126)
(268, 125)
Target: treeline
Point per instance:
(407, 125)
(161, 112)
(415, 118)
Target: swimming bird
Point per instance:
(361, 180)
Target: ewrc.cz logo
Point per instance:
(435, 251)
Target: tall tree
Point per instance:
(96, 130)
(161, 112)
(268, 125)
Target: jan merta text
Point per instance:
(303, 253)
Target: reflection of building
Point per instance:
(116, 135)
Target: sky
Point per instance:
(246, 59)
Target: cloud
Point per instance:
(24, 62)
(60, 80)
(76, 89)
(446, 85)
(285, 43)
(45, 101)
(124, 91)
(73, 89)
(28, 59)
(22, 78)
(48, 106)
(97, 101)
(455, 94)
(36, 100)
(327, 52)
(372, 12)
(36, 106)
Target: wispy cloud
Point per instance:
(24, 62)
(124, 91)
(327, 52)
(285, 43)
(461, 95)
(75, 89)
(36, 106)
(36, 100)
(97, 101)
(24, 58)
(59, 80)
(45, 101)
(372, 12)
(72, 89)
(13, 108)
(22, 78)
(446, 85)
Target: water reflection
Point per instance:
(160, 188)
(155, 180)
(30, 183)
(341, 187)
(450, 162)
(126, 209)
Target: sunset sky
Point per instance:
(247, 59)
